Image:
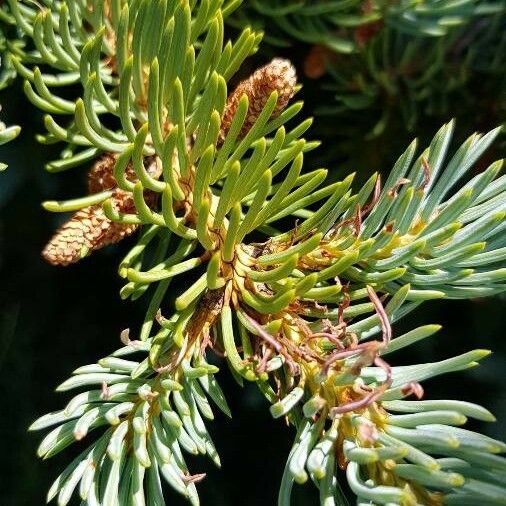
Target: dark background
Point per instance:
(53, 320)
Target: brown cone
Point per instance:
(101, 178)
(89, 228)
(278, 75)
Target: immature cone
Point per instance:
(101, 178)
(278, 75)
(89, 228)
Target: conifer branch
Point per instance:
(306, 313)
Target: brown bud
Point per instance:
(365, 33)
(317, 60)
(278, 75)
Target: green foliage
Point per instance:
(296, 282)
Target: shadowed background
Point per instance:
(53, 320)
